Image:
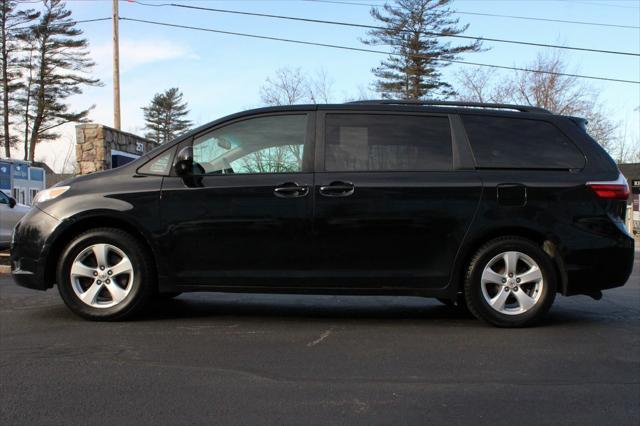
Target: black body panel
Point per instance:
(234, 230)
(383, 232)
(396, 229)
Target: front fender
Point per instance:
(83, 208)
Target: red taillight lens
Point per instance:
(610, 192)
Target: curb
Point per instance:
(5, 267)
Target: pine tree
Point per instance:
(26, 93)
(59, 67)
(164, 116)
(12, 23)
(410, 28)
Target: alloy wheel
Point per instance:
(512, 283)
(102, 275)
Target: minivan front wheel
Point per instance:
(105, 274)
(511, 282)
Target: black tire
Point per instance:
(142, 284)
(476, 301)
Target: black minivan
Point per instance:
(487, 206)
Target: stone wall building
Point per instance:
(99, 147)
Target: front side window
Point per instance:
(159, 166)
(273, 144)
(377, 142)
(3, 198)
(500, 142)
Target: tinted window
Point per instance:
(520, 143)
(272, 144)
(374, 142)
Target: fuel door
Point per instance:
(511, 194)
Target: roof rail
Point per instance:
(521, 108)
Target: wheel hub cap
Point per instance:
(512, 283)
(102, 275)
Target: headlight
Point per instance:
(50, 194)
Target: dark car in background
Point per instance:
(495, 207)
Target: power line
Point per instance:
(83, 21)
(593, 3)
(150, 4)
(349, 24)
(561, 21)
(360, 49)
(529, 18)
(92, 20)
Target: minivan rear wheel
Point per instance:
(105, 274)
(511, 282)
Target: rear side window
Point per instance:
(520, 143)
(376, 142)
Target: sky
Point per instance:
(222, 74)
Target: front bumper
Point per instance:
(29, 279)
(30, 246)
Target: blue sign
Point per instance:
(5, 176)
(20, 171)
(120, 160)
(36, 174)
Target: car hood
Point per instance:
(93, 176)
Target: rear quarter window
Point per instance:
(499, 142)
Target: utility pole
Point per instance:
(116, 67)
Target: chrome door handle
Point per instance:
(338, 189)
(291, 190)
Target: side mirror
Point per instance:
(12, 202)
(183, 165)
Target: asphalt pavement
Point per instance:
(221, 359)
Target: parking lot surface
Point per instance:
(267, 359)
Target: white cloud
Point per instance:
(135, 53)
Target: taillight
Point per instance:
(611, 190)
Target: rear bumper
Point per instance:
(29, 249)
(606, 264)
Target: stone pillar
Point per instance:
(91, 149)
(95, 142)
